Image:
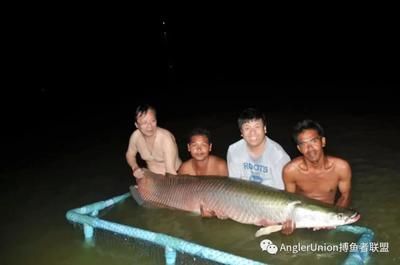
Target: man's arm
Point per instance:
(290, 186)
(184, 168)
(344, 185)
(170, 155)
(289, 178)
(233, 169)
(223, 168)
(279, 165)
(131, 155)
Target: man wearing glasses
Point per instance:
(315, 174)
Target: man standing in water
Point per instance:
(156, 146)
(256, 157)
(202, 163)
(315, 174)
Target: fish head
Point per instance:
(342, 216)
(324, 215)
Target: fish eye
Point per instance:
(340, 215)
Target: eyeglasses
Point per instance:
(312, 141)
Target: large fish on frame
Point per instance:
(242, 201)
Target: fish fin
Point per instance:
(293, 204)
(222, 217)
(210, 213)
(136, 195)
(290, 209)
(205, 212)
(268, 230)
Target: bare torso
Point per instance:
(318, 182)
(213, 166)
(154, 151)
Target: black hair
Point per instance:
(143, 109)
(250, 114)
(200, 131)
(307, 124)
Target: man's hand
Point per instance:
(138, 173)
(288, 227)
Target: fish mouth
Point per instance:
(354, 218)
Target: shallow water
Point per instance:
(80, 161)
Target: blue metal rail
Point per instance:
(87, 216)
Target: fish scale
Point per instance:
(242, 201)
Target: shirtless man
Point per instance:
(156, 146)
(314, 174)
(202, 163)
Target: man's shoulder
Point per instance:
(294, 164)
(186, 166)
(238, 145)
(136, 135)
(297, 160)
(276, 150)
(187, 162)
(164, 133)
(339, 162)
(275, 145)
(217, 159)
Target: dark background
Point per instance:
(73, 76)
(77, 71)
(101, 53)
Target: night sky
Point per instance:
(74, 68)
(97, 53)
